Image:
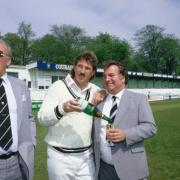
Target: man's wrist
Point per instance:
(59, 112)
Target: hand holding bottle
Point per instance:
(99, 96)
(92, 110)
(72, 105)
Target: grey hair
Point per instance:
(9, 51)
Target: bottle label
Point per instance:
(92, 110)
(82, 103)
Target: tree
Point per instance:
(45, 48)
(108, 47)
(136, 63)
(159, 50)
(14, 41)
(147, 43)
(169, 49)
(71, 40)
(25, 34)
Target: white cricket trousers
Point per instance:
(70, 166)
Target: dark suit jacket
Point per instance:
(135, 117)
(26, 127)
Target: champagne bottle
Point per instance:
(92, 110)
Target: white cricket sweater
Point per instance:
(73, 130)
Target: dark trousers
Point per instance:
(107, 172)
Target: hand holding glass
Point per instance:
(109, 126)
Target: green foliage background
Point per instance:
(153, 50)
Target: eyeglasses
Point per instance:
(3, 54)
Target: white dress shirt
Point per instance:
(104, 144)
(13, 114)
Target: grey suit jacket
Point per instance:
(26, 127)
(135, 117)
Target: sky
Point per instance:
(120, 18)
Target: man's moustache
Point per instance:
(82, 74)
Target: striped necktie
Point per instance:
(5, 123)
(113, 109)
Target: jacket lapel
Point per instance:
(17, 95)
(122, 110)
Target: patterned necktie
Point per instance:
(113, 109)
(5, 123)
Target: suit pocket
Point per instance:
(137, 149)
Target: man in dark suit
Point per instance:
(17, 125)
(120, 152)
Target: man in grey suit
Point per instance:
(119, 151)
(17, 125)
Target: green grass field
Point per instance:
(163, 150)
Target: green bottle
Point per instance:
(92, 110)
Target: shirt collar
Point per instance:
(71, 83)
(5, 78)
(118, 95)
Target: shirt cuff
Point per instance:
(59, 112)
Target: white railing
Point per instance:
(154, 94)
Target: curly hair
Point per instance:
(88, 56)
